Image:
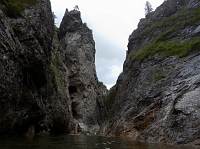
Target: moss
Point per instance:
(109, 101)
(166, 31)
(167, 48)
(13, 8)
(174, 23)
(110, 98)
(158, 76)
(55, 65)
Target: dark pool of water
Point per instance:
(77, 142)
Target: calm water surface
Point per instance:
(76, 142)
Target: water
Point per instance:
(77, 142)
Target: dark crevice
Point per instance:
(34, 75)
(75, 113)
(72, 90)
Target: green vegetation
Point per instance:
(174, 23)
(168, 42)
(158, 76)
(109, 101)
(110, 98)
(168, 48)
(13, 8)
(55, 65)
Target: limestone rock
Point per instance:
(78, 50)
(156, 98)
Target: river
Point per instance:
(77, 142)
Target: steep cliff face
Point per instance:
(48, 82)
(78, 50)
(156, 98)
(29, 97)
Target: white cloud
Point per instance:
(112, 21)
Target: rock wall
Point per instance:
(156, 98)
(46, 74)
(78, 50)
(48, 81)
(29, 95)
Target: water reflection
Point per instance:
(76, 142)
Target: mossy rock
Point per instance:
(14, 8)
(109, 101)
(159, 75)
(168, 42)
(174, 23)
(167, 48)
(59, 79)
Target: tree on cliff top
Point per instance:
(76, 8)
(148, 8)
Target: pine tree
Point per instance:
(148, 8)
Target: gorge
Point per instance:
(48, 81)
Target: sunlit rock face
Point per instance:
(48, 81)
(156, 98)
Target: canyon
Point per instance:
(49, 85)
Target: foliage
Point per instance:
(109, 101)
(168, 48)
(167, 41)
(158, 76)
(172, 24)
(110, 98)
(13, 8)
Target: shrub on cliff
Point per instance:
(13, 8)
(168, 48)
(169, 42)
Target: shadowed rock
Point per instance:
(40, 75)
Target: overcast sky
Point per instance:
(112, 21)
